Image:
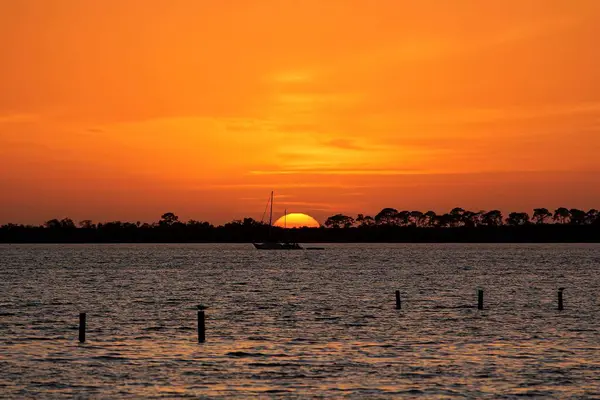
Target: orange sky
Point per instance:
(124, 110)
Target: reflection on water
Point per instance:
(300, 323)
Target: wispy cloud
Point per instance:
(347, 144)
(277, 196)
(304, 204)
(283, 185)
(95, 130)
(12, 118)
(348, 171)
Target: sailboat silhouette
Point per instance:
(273, 245)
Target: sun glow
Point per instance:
(297, 220)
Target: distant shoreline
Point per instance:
(388, 226)
(301, 243)
(546, 233)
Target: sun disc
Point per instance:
(297, 220)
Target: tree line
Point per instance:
(459, 217)
(389, 225)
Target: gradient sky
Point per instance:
(126, 109)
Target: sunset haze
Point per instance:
(124, 110)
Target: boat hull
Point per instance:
(277, 246)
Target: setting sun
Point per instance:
(297, 220)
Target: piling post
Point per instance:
(201, 325)
(480, 299)
(398, 301)
(82, 327)
(560, 299)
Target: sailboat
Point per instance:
(270, 245)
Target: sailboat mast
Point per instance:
(285, 219)
(271, 215)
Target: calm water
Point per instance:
(300, 324)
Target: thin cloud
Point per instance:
(301, 171)
(96, 130)
(284, 185)
(11, 118)
(346, 144)
(303, 203)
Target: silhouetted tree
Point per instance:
(591, 216)
(444, 221)
(540, 215)
(517, 218)
(53, 224)
(87, 224)
(387, 216)
(114, 225)
(348, 222)
(577, 216)
(561, 215)
(198, 224)
(168, 219)
(457, 216)
(492, 218)
(360, 219)
(470, 219)
(67, 223)
(251, 222)
(457, 211)
(430, 217)
(234, 223)
(339, 221)
(363, 220)
(417, 218)
(402, 218)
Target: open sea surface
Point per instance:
(300, 324)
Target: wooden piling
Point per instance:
(201, 327)
(560, 299)
(479, 299)
(398, 301)
(82, 327)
